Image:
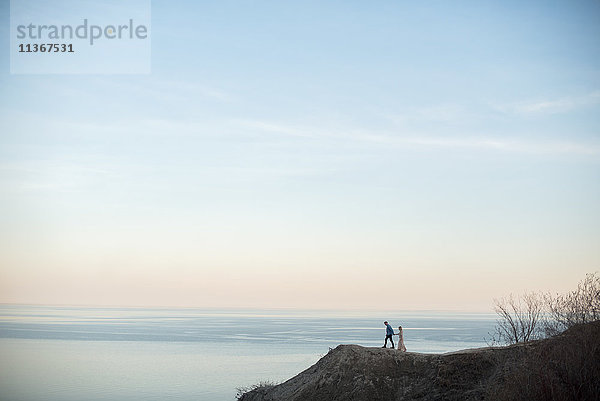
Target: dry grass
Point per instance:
(564, 369)
(261, 386)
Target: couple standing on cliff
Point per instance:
(389, 332)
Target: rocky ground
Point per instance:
(355, 373)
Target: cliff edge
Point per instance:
(522, 371)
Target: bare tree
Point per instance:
(576, 307)
(518, 319)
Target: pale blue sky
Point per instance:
(319, 153)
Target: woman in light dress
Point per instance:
(401, 346)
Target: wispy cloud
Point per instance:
(55, 175)
(439, 113)
(172, 90)
(272, 130)
(400, 139)
(552, 106)
(281, 129)
(507, 145)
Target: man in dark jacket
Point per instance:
(389, 332)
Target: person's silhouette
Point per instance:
(389, 332)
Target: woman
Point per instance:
(401, 346)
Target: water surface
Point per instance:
(127, 354)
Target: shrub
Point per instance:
(576, 307)
(259, 387)
(562, 369)
(518, 319)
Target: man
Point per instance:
(389, 332)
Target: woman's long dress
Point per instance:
(401, 346)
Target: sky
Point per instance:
(355, 155)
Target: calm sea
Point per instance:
(127, 354)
